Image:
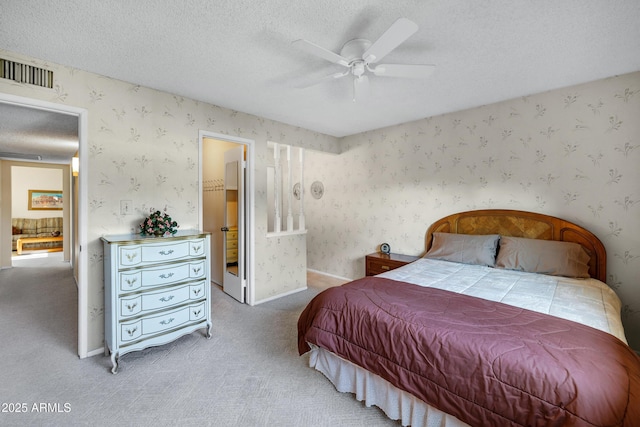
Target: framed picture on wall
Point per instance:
(41, 200)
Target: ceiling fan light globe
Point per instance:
(357, 69)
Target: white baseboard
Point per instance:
(295, 291)
(95, 352)
(329, 275)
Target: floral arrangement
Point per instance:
(158, 224)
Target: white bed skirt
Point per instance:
(373, 390)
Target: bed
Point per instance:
(505, 320)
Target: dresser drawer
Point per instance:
(136, 279)
(158, 324)
(232, 255)
(148, 254)
(152, 301)
(380, 266)
(198, 290)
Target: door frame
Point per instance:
(249, 237)
(83, 194)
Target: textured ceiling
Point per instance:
(32, 132)
(238, 53)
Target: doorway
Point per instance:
(29, 221)
(213, 207)
(79, 222)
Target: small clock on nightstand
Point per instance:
(385, 248)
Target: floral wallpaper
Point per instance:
(573, 153)
(143, 147)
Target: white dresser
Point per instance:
(156, 289)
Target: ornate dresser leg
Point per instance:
(115, 360)
(209, 326)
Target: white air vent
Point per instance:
(20, 156)
(24, 73)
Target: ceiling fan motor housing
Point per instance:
(354, 49)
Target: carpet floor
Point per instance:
(248, 374)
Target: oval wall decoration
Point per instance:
(317, 189)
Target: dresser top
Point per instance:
(138, 238)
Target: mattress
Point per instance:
(586, 301)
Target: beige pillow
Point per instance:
(464, 248)
(543, 256)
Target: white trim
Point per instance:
(328, 274)
(250, 208)
(40, 104)
(275, 297)
(96, 352)
(83, 229)
(83, 148)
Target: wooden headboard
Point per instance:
(524, 224)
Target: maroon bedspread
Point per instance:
(484, 362)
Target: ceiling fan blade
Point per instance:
(333, 76)
(404, 70)
(399, 31)
(360, 88)
(323, 53)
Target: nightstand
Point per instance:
(377, 262)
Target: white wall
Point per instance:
(572, 153)
(23, 179)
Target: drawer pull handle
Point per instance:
(166, 322)
(384, 267)
(196, 249)
(196, 292)
(165, 299)
(131, 282)
(166, 276)
(132, 306)
(169, 252)
(131, 256)
(196, 313)
(132, 331)
(196, 270)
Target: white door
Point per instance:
(233, 251)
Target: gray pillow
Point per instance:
(543, 256)
(464, 248)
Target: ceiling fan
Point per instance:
(360, 55)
